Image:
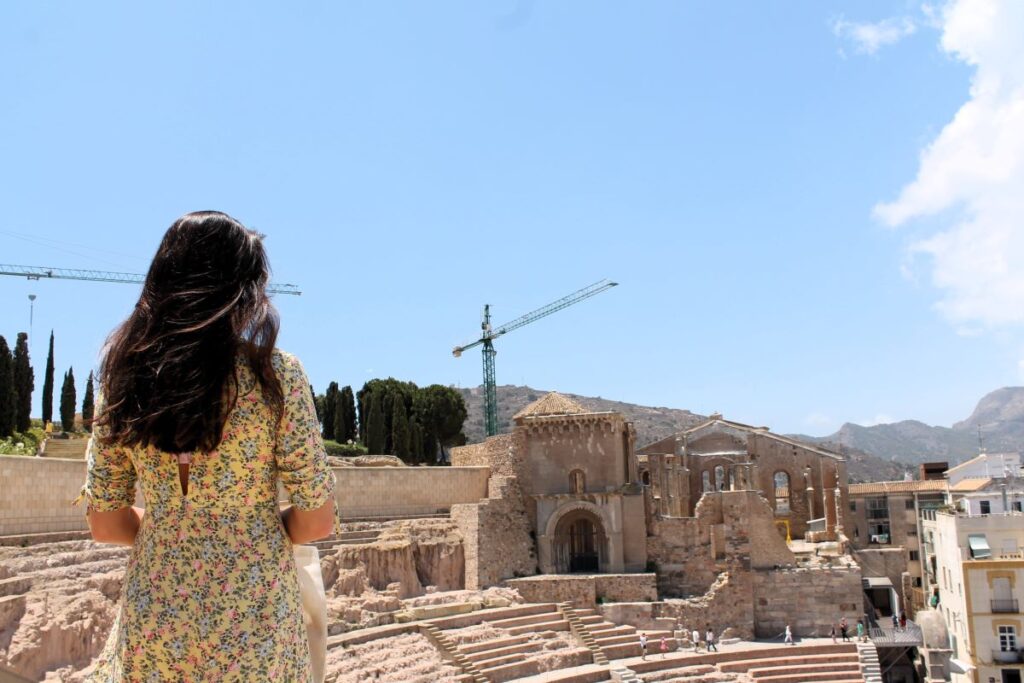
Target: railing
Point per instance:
(882, 513)
(1006, 605)
(1006, 656)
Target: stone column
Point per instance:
(616, 558)
(544, 556)
(838, 495)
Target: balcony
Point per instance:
(1006, 657)
(882, 513)
(1008, 605)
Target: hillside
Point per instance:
(999, 414)
(651, 424)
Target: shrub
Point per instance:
(343, 450)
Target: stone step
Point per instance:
(556, 624)
(534, 618)
(764, 661)
(808, 677)
(485, 658)
(609, 629)
(770, 672)
(493, 614)
(470, 649)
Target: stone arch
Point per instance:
(579, 533)
(782, 487)
(721, 479)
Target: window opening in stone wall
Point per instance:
(985, 507)
(909, 504)
(1007, 638)
(781, 481)
(877, 510)
(645, 477)
(721, 479)
(706, 481)
(577, 481)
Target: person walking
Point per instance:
(895, 622)
(789, 636)
(643, 646)
(695, 635)
(664, 646)
(833, 633)
(844, 628)
(197, 405)
(709, 640)
(860, 631)
(903, 621)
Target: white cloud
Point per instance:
(867, 37)
(972, 175)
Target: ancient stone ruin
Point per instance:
(544, 551)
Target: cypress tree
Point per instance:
(399, 428)
(48, 386)
(375, 428)
(24, 383)
(67, 402)
(330, 408)
(88, 405)
(8, 392)
(347, 401)
(416, 442)
(317, 404)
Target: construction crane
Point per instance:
(489, 334)
(40, 272)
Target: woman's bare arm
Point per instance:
(118, 526)
(304, 526)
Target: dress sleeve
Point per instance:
(110, 472)
(301, 459)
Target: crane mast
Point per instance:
(488, 334)
(41, 272)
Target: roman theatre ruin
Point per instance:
(538, 555)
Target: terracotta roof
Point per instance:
(552, 404)
(970, 484)
(925, 486)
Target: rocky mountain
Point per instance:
(652, 424)
(999, 415)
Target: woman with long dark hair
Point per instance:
(199, 407)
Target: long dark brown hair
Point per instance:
(168, 371)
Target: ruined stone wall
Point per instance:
(810, 600)
(496, 535)
(585, 590)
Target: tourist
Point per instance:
(833, 633)
(789, 635)
(903, 621)
(860, 631)
(197, 405)
(895, 622)
(709, 640)
(696, 640)
(643, 646)
(844, 628)
(664, 646)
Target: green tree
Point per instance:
(441, 411)
(68, 401)
(416, 442)
(318, 404)
(376, 431)
(400, 437)
(48, 385)
(88, 405)
(347, 402)
(8, 392)
(330, 408)
(24, 384)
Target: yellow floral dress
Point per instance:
(210, 592)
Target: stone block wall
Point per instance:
(626, 587)
(584, 590)
(496, 536)
(385, 491)
(36, 495)
(810, 600)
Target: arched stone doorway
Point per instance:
(580, 543)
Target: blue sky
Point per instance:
(728, 163)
